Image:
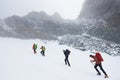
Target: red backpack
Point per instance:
(99, 57)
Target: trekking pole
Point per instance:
(92, 63)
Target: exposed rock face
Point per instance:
(38, 25)
(100, 8)
(107, 10)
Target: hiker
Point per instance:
(66, 53)
(97, 58)
(43, 50)
(34, 48)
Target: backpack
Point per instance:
(35, 46)
(67, 52)
(43, 48)
(99, 57)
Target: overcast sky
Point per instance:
(68, 9)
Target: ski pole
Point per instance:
(92, 63)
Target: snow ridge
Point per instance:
(18, 62)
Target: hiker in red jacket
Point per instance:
(98, 59)
(34, 47)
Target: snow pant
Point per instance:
(100, 65)
(67, 61)
(34, 51)
(43, 52)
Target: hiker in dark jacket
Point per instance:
(66, 53)
(98, 59)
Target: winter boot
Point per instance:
(106, 76)
(98, 73)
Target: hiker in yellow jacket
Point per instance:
(43, 50)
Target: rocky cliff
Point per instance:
(107, 16)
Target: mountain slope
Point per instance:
(39, 25)
(19, 63)
(101, 8)
(106, 14)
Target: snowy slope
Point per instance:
(17, 62)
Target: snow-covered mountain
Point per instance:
(44, 26)
(86, 42)
(38, 25)
(5, 30)
(18, 62)
(105, 18)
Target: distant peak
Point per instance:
(34, 13)
(56, 15)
